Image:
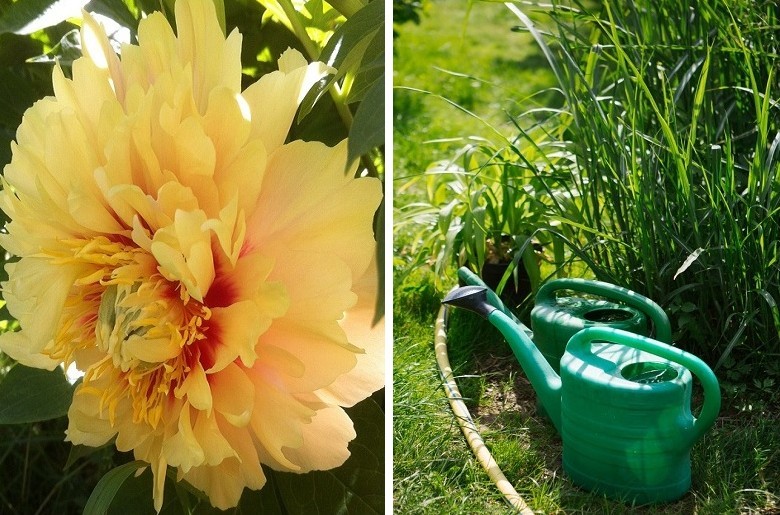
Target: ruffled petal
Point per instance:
(318, 209)
(216, 62)
(287, 87)
(234, 395)
(326, 441)
(362, 331)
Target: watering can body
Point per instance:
(621, 404)
(554, 319)
(626, 421)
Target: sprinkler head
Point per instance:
(472, 298)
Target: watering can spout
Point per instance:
(472, 298)
(543, 378)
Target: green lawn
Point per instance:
(735, 468)
(471, 58)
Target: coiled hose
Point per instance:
(465, 421)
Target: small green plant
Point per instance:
(482, 206)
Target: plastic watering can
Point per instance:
(554, 319)
(621, 404)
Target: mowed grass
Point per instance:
(471, 57)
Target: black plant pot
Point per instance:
(514, 292)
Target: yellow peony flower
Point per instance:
(215, 284)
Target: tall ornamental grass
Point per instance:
(672, 115)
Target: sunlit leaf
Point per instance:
(688, 262)
(117, 10)
(362, 23)
(32, 395)
(316, 17)
(370, 69)
(65, 52)
(347, 7)
(28, 16)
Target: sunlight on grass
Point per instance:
(492, 73)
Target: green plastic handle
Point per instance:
(711, 406)
(663, 329)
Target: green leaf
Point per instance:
(265, 501)
(322, 124)
(350, 45)
(65, 52)
(368, 127)
(347, 7)
(379, 308)
(313, 96)
(20, 87)
(366, 21)
(28, 16)
(103, 495)
(371, 68)
(32, 395)
(82, 451)
(117, 10)
(135, 496)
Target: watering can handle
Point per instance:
(663, 330)
(709, 382)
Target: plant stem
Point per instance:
(338, 94)
(299, 29)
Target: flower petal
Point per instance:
(183, 449)
(234, 394)
(183, 251)
(197, 389)
(35, 293)
(325, 439)
(18, 345)
(223, 484)
(362, 331)
(86, 425)
(235, 330)
(287, 87)
(304, 358)
(215, 61)
(277, 421)
(315, 209)
(96, 47)
(216, 447)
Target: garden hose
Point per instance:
(465, 421)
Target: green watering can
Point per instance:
(621, 404)
(554, 319)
